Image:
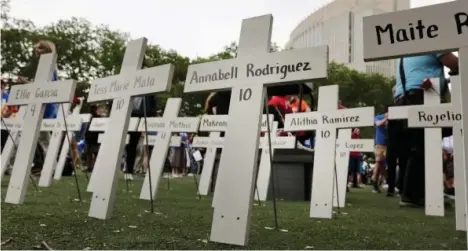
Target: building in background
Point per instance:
(339, 25)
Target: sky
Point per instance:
(191, 27)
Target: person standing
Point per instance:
(354, 161)
(142, 106)
(7, 112)
(411, 74)
(91, 138)
(380, 122)
(179, 160)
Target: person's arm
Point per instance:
(450, 61)
(381, 122)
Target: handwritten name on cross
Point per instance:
(35, 96)
(326, 120)
(345, 145)
(131, 82)
(440, 116)
(165, 126)
(246, 76)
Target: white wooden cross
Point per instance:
(57, 127)
(14, 126)
(77, 119)
(65, 144)
(131, 82)
(326, 120)
(101, 137)
(264, 168)
(439, 116)
(214, 124)
(152, 139)
(211, 143)
(102, 125)
(165, 126)
(35, 96)
(345, 145)
(431, 29)
(434, 194)
(247, 76)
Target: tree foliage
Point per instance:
(86, 52)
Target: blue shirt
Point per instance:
(380, 131)
(51, 109)
(417, 69)
(5, 94)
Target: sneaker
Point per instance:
(407, 203)
(190, 174)
(375, 187)
(128, 176)
(449, 193)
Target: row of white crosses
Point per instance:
(247, 76)
(33, 97)
(440, 28)
(217, 123)
(58, 125)
(164, 126)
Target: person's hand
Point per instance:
(6, 113)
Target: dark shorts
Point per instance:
(448, 168)
(354, 164)
(92, 149)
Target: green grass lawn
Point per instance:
(370, 221)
